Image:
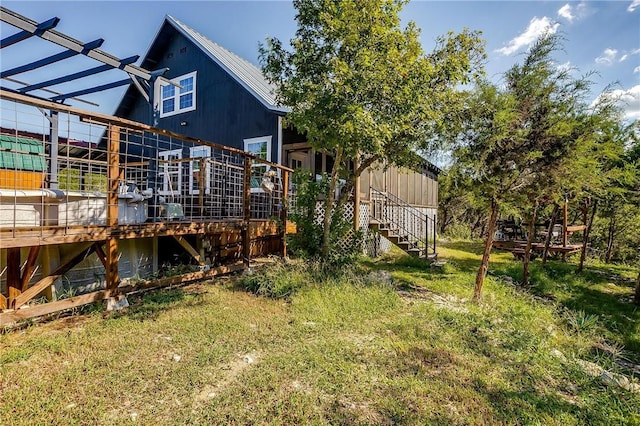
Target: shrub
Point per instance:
(307, 241)
(277, 280)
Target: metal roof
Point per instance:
(243, 71)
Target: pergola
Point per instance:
(140, 77)
(144, 80)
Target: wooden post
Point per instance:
(201, 185)
(113, 175)
(13, 274)
(154, 263)
(246, 232)
(283, 212)
(356, 198)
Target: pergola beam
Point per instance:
(23, 35)
(86, 48)
(91, 90)
(75, 76)
(67, 42)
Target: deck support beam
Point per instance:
(283, 212)
(189, 248)
(38, 287)
(13, 274)
(29, 267)
(97, 247)
(113, 180)
(7, 318)
(246, 231)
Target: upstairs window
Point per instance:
(176, 100)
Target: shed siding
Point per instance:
(418, 189)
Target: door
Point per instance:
(299, 160)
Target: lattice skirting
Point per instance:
(373, 244)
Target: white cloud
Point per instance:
(610, 56)
(629, 101)
(565, 67)
(633, 6)
(537, 27)
(565, 12)
(636, 70)
(574, 13)
(607, 57)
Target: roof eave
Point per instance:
(271, 107)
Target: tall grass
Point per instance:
(389, 341)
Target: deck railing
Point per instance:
(69, 169)
(412, 225)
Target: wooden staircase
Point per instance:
(403, 225)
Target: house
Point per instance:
(226, 99)
(200, 174)
(223, 98)
(92, 204)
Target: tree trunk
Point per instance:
(479, 223)
(445, 221)
(610, 235)
(547, 241)
(527, 250)
(328, 205)
(585, 236)
(484, 265)
(637, 297)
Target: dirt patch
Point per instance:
(232, 370)
(362, 412)
(449, 302)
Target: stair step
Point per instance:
(414, 252)
(377, 225)
(395, 238)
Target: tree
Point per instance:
(516, 138)
(460, 213)
(361, 87)
(620, 215)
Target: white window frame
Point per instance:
(164, 172)
(176, 95)
(205, 153)
(260, 139)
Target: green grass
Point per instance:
(391, 341)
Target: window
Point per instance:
(170, 172)
(176, 100)
(261, 148)
(196, 173)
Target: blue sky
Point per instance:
(600, 36)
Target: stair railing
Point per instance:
(411, 225)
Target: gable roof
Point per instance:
(244, 72)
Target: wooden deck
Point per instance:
(518, 247)
(129, 182)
